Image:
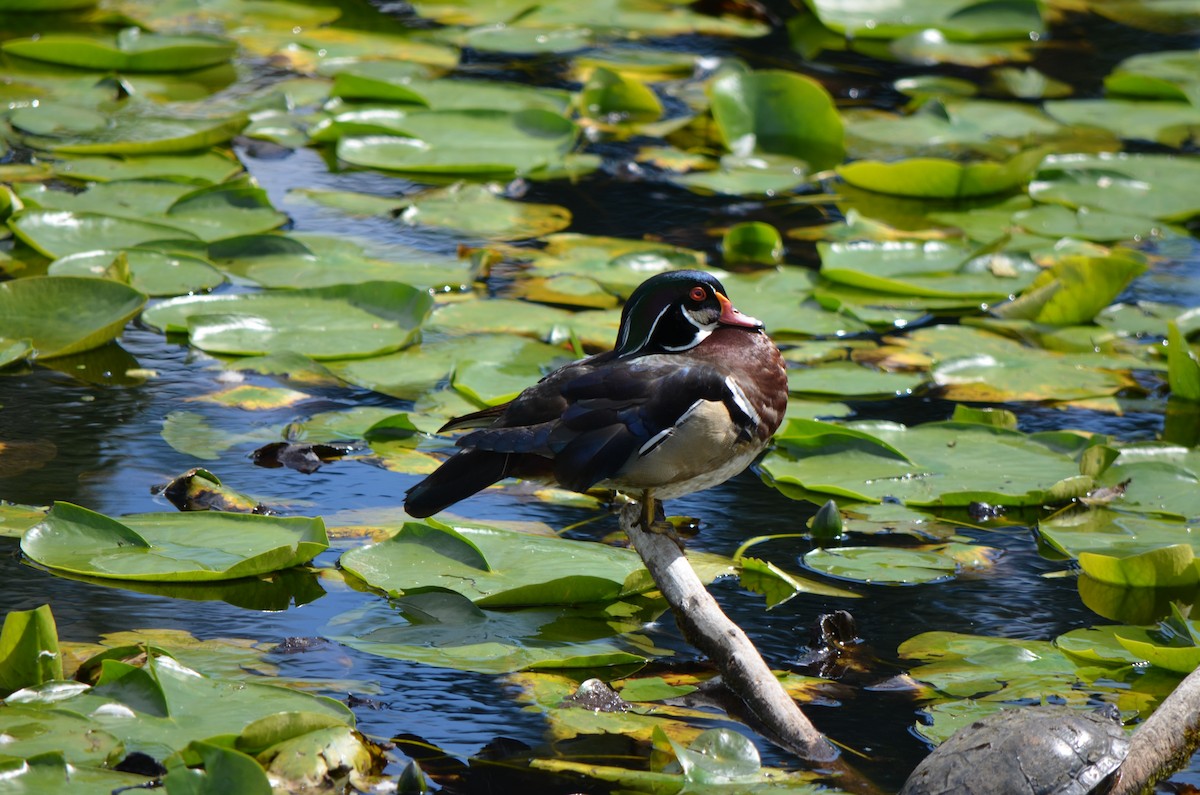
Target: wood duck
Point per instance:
(689, 397)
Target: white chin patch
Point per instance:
(702, 332)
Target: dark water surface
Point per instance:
(109, 453)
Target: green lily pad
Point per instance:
(51, 772)
(131, 131)
(1183, 365)
(975, 365)
(898, 566)
(490, 566)
(130, 50)
(610, 96)
(300, 260)
(1170, 123)
(934, 269)
(938, 463)
(1075, 289)
(1093, 645)
(160, 708)
(755, 174)
(777, 112)
(203, 168)
(497, 364)
(29, 654)
(62, 315)
(155, 273)
(191, 434)
(1154, 186)
(15, 519)
(849, 380)
(937, 178)
(447, 630)
(1163, 567)
(55, 233)
(961, 19)
(187, 547)
(1106, 532)
(407, 83)
(1170, 75)
(468, 143)
(343, 321)
(1144, 645)
(474, 210)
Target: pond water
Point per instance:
(101, 446)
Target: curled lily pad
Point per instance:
(937, 178)
(175, 547)
(65, 315)
(343, 321)
(131, 50)
(777, 112)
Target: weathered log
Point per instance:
(1162, 744)
(706, 627)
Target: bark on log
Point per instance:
(1162, 744)
(706, 627)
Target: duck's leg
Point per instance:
(654, 518)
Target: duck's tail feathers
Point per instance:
(459, 477)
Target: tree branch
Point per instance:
(706, 627)
(1162, 744)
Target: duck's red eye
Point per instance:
(698, 294)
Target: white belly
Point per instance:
(700, 452)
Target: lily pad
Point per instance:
(153, 272)
(474, 210)
(961, 19)
(1170, 123)
(1107, 532)
(343, 321)
(777, 112)
(161, 707)
(187, 547)
(898, 566)
(203, 168)
(496, 365)
(934, 269)
(469, 143)
(938, 463)
(57, 233)
(490, 566)
(29, 654)
(130, 50)
(1154, 186)
(447, 630)
(1172, 75)
(937, 178)
(62, 315)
